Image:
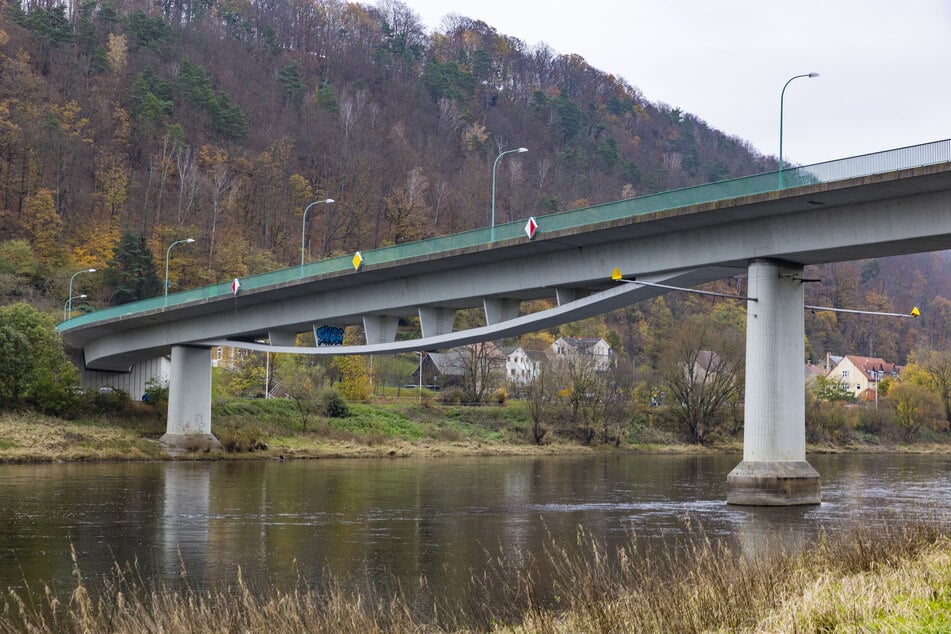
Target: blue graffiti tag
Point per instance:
(329, 336)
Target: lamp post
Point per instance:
(494, 165)
(68, 306)
(303, 229)
(168, 253)
(419, 390)
(782, 96)
(69, 301)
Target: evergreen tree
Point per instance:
(131, 272)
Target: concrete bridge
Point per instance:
(883, 204)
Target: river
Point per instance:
(401, 520)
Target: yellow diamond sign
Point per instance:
(357, 261)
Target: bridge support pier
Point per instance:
(774, 471)
(189, 401)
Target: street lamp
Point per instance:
(782, 96)
(69, 301)
(494, 165)
(168, 252)
(420, 390)
(303, 229)
(68, 306)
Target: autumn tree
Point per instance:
(915, 406)
(355, 377)
(44, 228)
(932, 369)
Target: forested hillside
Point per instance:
(221, 119)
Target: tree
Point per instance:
(355, 377)
(482, 365)
(583, 393)
(932, 369)
(33, 366)
(832, 389)
(915, 406)
(540, 391)
(300, 381)
(703, 369)
(131, 272)
(44, 226)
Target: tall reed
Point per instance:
(867, 579)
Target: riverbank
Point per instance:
(276, 429)
(892, 579)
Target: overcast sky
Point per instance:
(884, 65)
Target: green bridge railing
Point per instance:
(831, 171)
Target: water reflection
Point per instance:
(184, 535)
(389, 523)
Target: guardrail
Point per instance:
(830, 171)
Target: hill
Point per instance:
(220, 120)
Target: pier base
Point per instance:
(773, 484)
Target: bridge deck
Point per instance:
(809, 194)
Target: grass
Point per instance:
(30, 437)
(269, 428)
(894, 579)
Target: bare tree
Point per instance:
(540, 390)
(702, 368)
(582, 394)
(482, 366)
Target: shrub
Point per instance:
(242, 438)
(156, 393)
(830, 421)
(501, 396)
(109, 401)
(332, 404)
(875, 421)
(451, 396)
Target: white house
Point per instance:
(521, 365)
(599, 349)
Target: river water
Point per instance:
(404, 519)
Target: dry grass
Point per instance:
(36, 438)
(895, 580)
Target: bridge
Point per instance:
(889, 203)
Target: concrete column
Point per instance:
(774, 471)
(189, 401)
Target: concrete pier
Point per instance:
(774, 471)
(189, 401)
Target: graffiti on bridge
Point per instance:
(329, 336)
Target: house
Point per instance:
(860, 375)
(521, 365)
(479, 362)
(599, 349)
(440, 370)
(227, 357)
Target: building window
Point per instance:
(845, 374)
